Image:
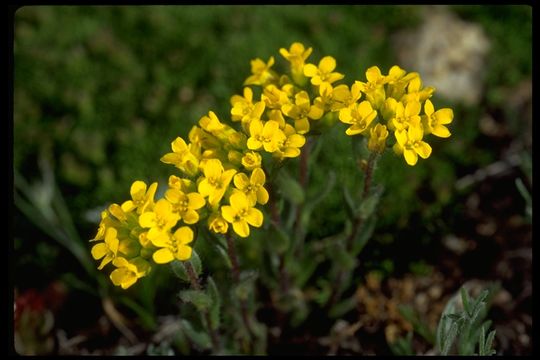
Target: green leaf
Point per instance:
(489, 344)
(277, 240)
(197, 297)
(215, 308)
(198, 338)
(325, 290)
(224, 256)
(245, 287)
(450, 337)
(195, 261)
(465, 300)
(482, 342)
(341, 256)
(342, 307)
(179, 270)
(369, 204)
(290, 188)
(363, 236)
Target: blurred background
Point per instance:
(101, 91)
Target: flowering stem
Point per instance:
(276, 219)
(357, 226)
(231, 251)
(194, 280)
(359, 221)
(303, 180)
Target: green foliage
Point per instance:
(461, 330)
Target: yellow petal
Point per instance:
(205, 188)
(183, 253)
(254, 217)
(179, 145)
(241, 228)
(401, 137)
(310, 70)
(213, 169)
(228, 213)
(423, 149)
(173, 195)
(258, 177)
(99, 250)
(301, 126)
(190, 216)
(444, 116)
(158, 238)
(195, 201)
(373, 74)
(315, 112)
(239, 201)
(163, 256)
(327, 64)
(296, 140)
(262, 196)
(241, 181)
(226, 178)
(171, 158)
(410, 157)
(184, 235)
(428, 108)
(253, 144)
(354, 130)
(128, 206)
(345, 116)
(441, 131)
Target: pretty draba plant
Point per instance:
(227, 170)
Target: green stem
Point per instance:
(357, 226)
(194, 280)
(231, 251)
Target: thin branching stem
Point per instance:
(194, 280)
(231, 251)
(357, 227)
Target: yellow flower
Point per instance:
(377, 138)
(241, 214)
(160, 220)
(415, 91)
(173, 246)
(116, 211)
(324, 72)
(141, 198)
(182, 157)
(337, 98)
(261, 72)
(243, 108)
(215, 182)
(292, 144)
(274, 97)
(185, 204)
(251, 160)
(359, 116)
(374, 87)
(296, 55)
(179, 184)
(128, 272)
(301, 110)
(410, 143)
(435, 120)
(253, 187)
(267, 136)
(405, 116)
(107, 249)
(218, 224)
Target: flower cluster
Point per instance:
(221, 165)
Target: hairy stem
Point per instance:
(357, 227)
(194, 280)
(231, 251)
(276, 220)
